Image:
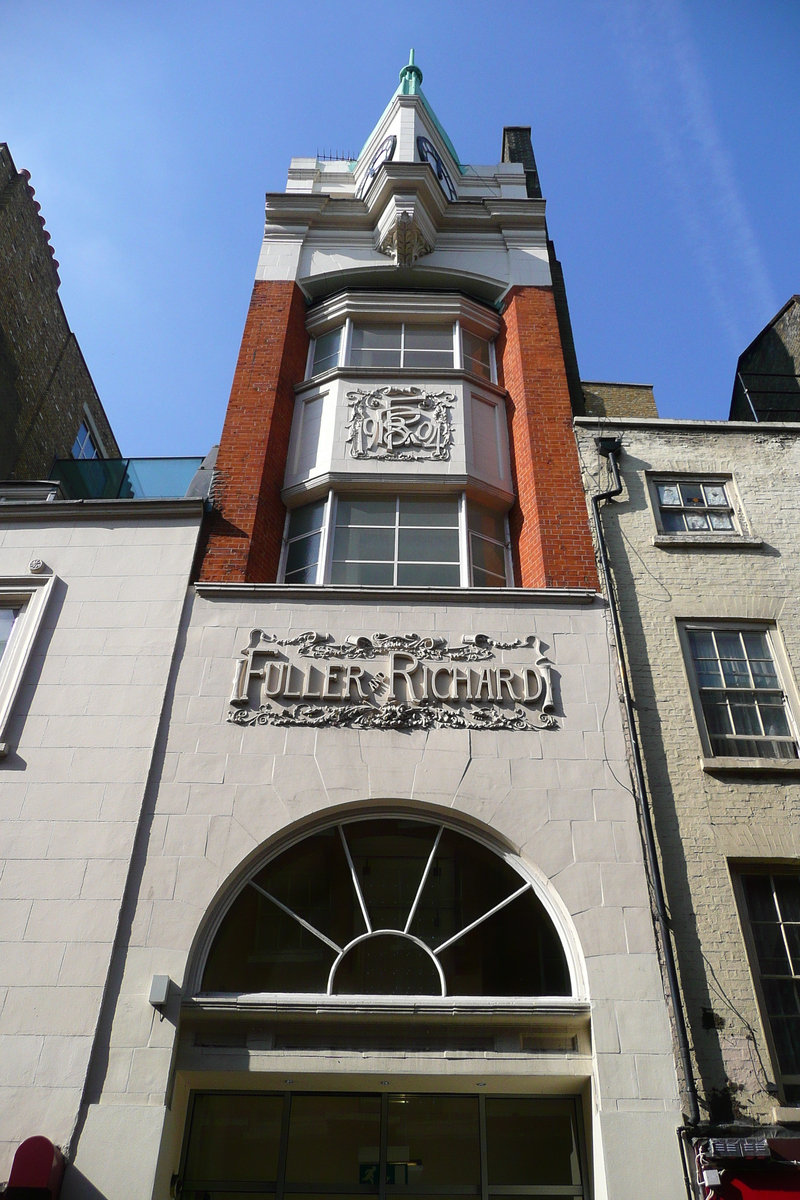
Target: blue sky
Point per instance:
(665, 132)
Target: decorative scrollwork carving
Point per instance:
(401, 424)
(389, 716)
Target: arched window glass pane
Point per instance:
(312, 878)
(261, 949)
(390, 857)
(516, 952)
(387, 965)
(465, 882)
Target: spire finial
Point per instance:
(410, 77)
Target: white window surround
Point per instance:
(575, 1005)
(739, 536)
(422, 308)
(31, 595)
(721, 763)
(347, 361)
(328, 527)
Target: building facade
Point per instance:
(703, 551)
(380, 921)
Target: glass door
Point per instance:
(312, 1145)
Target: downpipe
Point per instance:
(609, 448)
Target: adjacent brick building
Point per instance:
(47, 397)
(704, 560)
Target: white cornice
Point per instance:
(472, 597)
(427, 306)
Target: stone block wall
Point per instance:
(82, 734)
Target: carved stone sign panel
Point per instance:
(392, 681)
(402, 424)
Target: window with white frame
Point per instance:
(84, 444)
(694, 506)
(488, 546)
(403, 346)
(326, 352)
(22, 605)
(8, 619)
(772, 907)
(387, 906)
(743, 703)
(476, 354)
(396, 540)
(303, 543)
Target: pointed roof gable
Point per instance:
(395, 121)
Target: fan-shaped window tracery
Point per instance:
(387, 907)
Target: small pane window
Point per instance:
(419, 346)
(773, 912)
(695, 507)
(402, 540)
(743, 704)
(487, 546)
(326, 351)
(304, 539)
(476, 354)
(84, 445)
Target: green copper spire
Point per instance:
(410, 78)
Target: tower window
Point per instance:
(84, 444)
(326, 351)
(396, 541)
(476, 354)
(402, 346)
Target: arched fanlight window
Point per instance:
(388, 907)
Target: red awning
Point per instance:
(773, 1183)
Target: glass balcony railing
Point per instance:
(125, 478)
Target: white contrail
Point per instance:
(660, 56)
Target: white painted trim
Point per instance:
(96, 438)
(32, 594)
(463, 542)
(429, 307)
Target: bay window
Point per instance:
(402, 346)
(396, 540)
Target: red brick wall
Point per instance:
(549, 523)
(246, 527)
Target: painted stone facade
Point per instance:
(80, 747)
